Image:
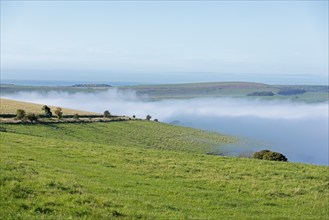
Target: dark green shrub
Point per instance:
(260, 154)
(148, 117)
(31, 117)
(106, 114)
(275, 156)
(156, 120)
(47, 110)
(20, 114)
(269, 155)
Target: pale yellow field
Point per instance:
(8, 106)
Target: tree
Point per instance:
(59, 112)
(31, 117)
(156, 120)
(106, 114)
(20, 114)
(47, 110)
(148, 117)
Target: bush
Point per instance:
(47, 110)
(59, 113)
(260, 154)
(106, 114)
(269, 155)
(148, 117)
(20, 114)
(275, 156)
(156, 120)
(31, 117)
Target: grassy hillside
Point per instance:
(10, 106)
(147, 170)
(142, 134)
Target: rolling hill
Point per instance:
(250, 90)
(147, 170)
(8, 106)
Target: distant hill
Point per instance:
(311, 93)
(91, 85)
(250, 90)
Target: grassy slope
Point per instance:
(10, 107)
(101, 171)
(142, 134)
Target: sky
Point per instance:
(167, 41)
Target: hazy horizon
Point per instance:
(173, 78)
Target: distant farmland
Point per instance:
(250, 90)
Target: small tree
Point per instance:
(31, 117)
(148, 117)
(20, 114)
(59, 112)
(106, 114)
(47, 110)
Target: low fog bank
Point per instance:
(128, 103)
(303, 140)
(298, 130)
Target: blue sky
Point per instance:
(142, 40)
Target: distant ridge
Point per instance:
(91, 85)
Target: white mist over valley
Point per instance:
(297, 129)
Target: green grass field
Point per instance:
(147, 170)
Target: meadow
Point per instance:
(147, 170)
